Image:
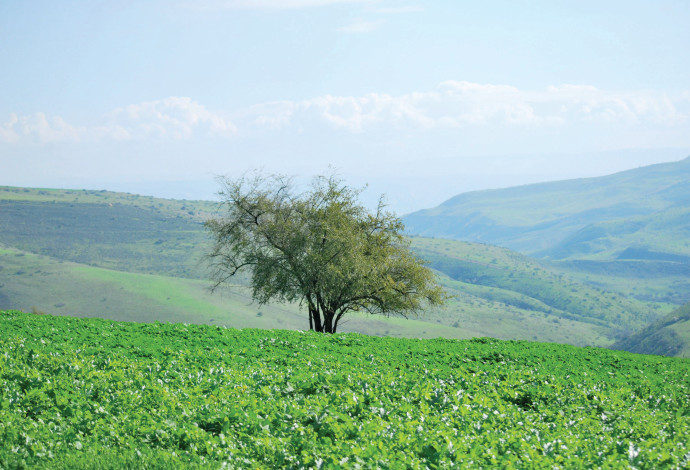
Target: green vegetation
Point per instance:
(199, 210)
(660, 237)
(38, 283)
(89, 393)
(528, 305)
(625, 233)
(29, 282)
(322, 249)
(525, 283)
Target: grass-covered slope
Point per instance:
(669, 336)
(626, 232)
(39, 283)
(491, 303)
(555, 218)
(659, 237)
(119, 231)
(516, 280)
(153, 250)
(87, 393)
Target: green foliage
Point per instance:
(322, 249)
(78, 393)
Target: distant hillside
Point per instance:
(627, 232)
(57, 244)
(120, 231)
(669, 336)
(510, 279)
(563, 219)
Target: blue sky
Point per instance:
(421, 100)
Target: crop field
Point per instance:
(92, 393)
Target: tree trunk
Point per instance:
(315, 320)
(328, 326)
(337, 320)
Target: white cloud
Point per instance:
(273, 115)
(452, 105)
(176, 117)
(344, 112)
(38, 128)
(458, 104)
(590, 104)
(170, 118)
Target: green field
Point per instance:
(91, 393)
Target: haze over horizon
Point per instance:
(421, 100)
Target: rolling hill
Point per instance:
(587, 218)
(129, 257)
(119, 231)
(628, 233)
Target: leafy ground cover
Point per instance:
(91, 393)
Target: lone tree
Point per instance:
(320, 248)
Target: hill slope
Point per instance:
(38, 283)
(513, 281)
(554, 219)
(667, 336)
(57, 243)
(120, 231)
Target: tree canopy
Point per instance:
(321, 248)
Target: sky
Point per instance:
(419, 100)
